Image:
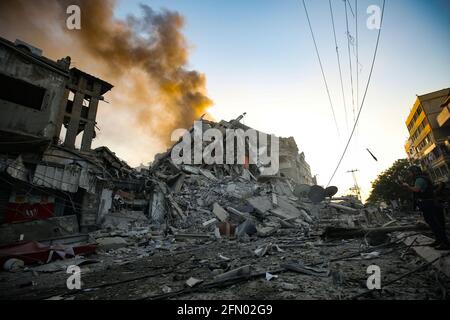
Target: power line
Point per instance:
(357, 65)
(339, 65)
(351, 9)
(350, 59)
(357, 55)
(364, 97)
(321, 68)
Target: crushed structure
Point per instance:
(203, 231)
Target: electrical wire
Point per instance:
(321, 68)
(339, 65)
(350, 60)
(364, 96)
(357, 54)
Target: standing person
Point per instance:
(425, 200)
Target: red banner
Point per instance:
(16, 212)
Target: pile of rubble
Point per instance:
(229, 200)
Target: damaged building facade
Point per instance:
(44, 179)
(227, 229)
(50, 174)
(429, 131)
(293, 163)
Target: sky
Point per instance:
(259, 58)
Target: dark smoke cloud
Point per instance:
(145, 57)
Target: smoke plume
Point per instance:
(145, 57)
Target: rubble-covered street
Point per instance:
(161, 269)
(125, 175)
(279, 251)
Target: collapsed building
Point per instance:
(49, 171)
(46, 109)
(222, 224)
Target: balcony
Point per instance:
(443, 117)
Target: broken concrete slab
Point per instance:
(429, 254)
(208, 174)
(178, 183)
(306, 216)
(111, 243)
(190, 169)
(261, 204)
(299, 268)
(220, 212)
(235, 273)
(238, 215)
(342, 207)
(266, 231)
(280, 213)
(285, 204)
(262, 251)
(209, 222)
(192, 282)
(246, 228)
(231, 187)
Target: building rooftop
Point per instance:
(105, 85)
(34, 54)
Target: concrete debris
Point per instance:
(243, 271)
(217, 233)
(111, 243)
(192, 282)
(370, 255)
(209, 222)
(168, 222)
(220, 212)
(288, 286)
(261, 204)
(166, 289)
(208, 174)
(342, 207)
(62, 265)
(266, 249)
(248, 227)
(224, 258)
(300, 268)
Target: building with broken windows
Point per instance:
(428, 125)
(46, 179)
(293, 163)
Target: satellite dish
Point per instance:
(316, 194)
(331, 191)
(301, 190)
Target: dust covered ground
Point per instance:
(160, 270)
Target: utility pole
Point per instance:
(356, 188)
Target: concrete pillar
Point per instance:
(74, 122)
(60, 118)
(89, 128)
